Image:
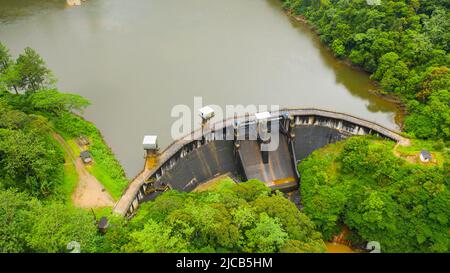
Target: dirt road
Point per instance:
(89, 193)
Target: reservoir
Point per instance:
(136, 59)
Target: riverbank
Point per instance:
(379, 92)
(408, 61)
(105, 167)
(87, 192)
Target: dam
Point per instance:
(201, 156)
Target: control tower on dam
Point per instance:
(234, 149)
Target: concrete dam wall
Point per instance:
(199, 157)
(210, 160)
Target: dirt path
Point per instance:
(89, 193)
(410, 159)
(396, 153)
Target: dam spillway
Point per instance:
(278, 172)
(200, 157)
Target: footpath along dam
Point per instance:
(201, 156)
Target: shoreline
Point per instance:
(397, 100)
(107, 169)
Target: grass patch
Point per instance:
(215, 184)
(436, 148)
(110, 183)
(73, 146)
(328, 156)
(70, 179)
(100, 212)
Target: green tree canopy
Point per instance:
(55, 102)
(55, 225)
(242, 217)
(32, 71)
(380, 197)
(29, 225)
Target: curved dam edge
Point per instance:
(307, 124)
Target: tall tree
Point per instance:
(8, 72)
(5, 58)
(33, 73)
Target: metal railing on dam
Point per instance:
(313, 128)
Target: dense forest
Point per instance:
(230, 217)
(404, 44)
(361, 184)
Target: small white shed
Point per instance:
(206, 112)
(150, 142)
